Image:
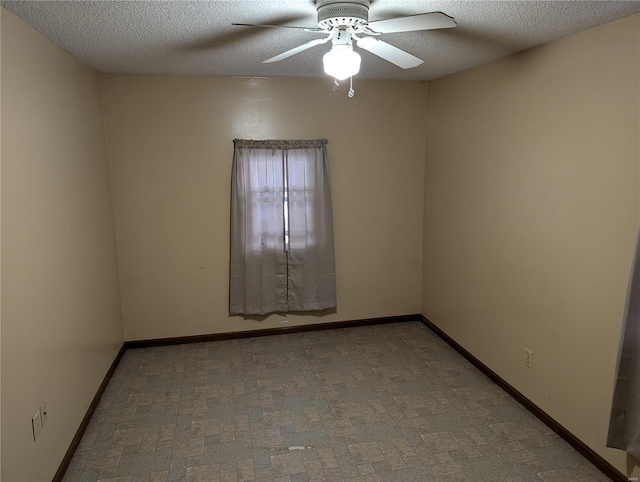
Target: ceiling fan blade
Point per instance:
(296, 50)
(424, 21)
(234, 35)
(306, 29)
(389, 52)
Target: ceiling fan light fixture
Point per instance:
(341, 62)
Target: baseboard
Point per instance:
(268, 331)
(608, 469)
(604, 466)
(64, 465)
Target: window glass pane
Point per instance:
(265, 178)
(304, 180)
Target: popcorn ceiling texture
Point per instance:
(177, 37)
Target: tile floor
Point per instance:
(379, 403)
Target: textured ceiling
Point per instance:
(178, 37)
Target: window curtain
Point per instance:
(624, 424)
(282, 249)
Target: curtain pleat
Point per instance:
(264, 276)
(624, 423)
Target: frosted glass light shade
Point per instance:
(341, 62)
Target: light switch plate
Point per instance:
(36, 425)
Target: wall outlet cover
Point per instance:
(528, 358)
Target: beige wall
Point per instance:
(531, 210)
(61, 320)
(170, 154)
(531, 202)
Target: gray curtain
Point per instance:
(624, 424)
(282, 249)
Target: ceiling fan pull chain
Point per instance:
(336, 84)
(351, 92)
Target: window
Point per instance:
(282, 250)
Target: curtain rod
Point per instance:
(279, 144)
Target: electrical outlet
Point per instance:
(528, 358)
(44, 416)
(36, 425)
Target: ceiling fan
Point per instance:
(343, 22)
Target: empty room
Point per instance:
(320, 240)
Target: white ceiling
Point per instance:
(196, 37)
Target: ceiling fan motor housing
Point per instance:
(333, 13)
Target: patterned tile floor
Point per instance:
(379, 403)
